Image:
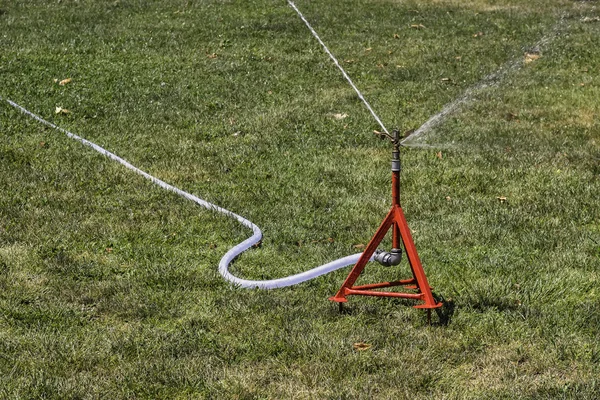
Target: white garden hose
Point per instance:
(234, 251)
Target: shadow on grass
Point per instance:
(444, 313)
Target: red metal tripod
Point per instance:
(396, 221)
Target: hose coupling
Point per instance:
(390, 258)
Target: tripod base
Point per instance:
(395, 220)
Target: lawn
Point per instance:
(109, 285)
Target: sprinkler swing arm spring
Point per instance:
(401, 237)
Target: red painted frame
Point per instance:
(395, 220)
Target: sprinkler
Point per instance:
(417, 287)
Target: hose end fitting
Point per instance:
(388, 259)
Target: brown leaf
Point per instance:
(330, 240)
(361, 346)
(359, 246)
(446, 80)
(448, 198)
(501, 199)
(396, 36)
(64, 81)
(368, 49)
(60, 110)
(109, 249)
(417, 26)
(350, 61)
(213, 55)
(439, 155)
(531, 57)
(339, 116)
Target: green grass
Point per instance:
(109, 285)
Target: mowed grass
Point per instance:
(109, 285)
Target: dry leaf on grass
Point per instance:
(60, 110)
(213, 55)
(339, 116)
(531, 57)
(439, 155)
(359, 246)
(501, 199)
(361, 346)
(64, 81)
(417, 26)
